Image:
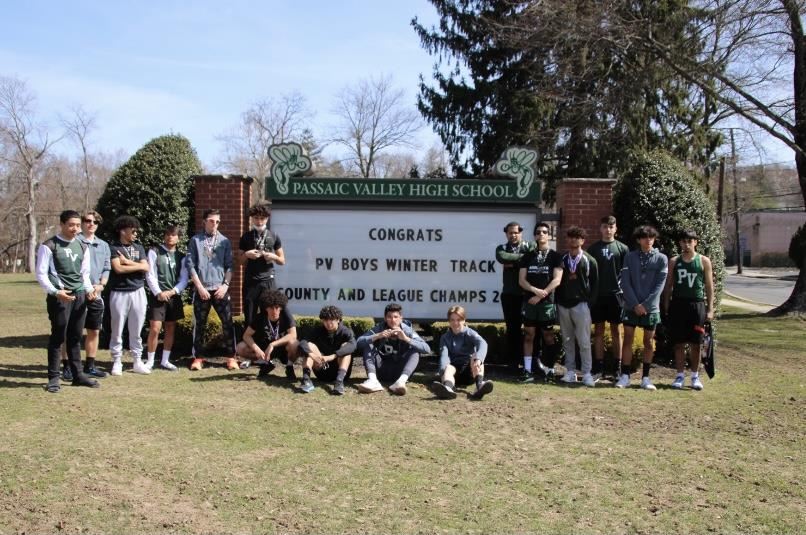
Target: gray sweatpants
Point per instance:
(575, 324)
(128, 307)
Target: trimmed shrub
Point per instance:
(154, 186)
(658, 190)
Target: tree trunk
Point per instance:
(796, 303)
(30, 218)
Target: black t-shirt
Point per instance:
(259, 270)
(127, 282)
(540, 269)
(267, 331)
(331, 343)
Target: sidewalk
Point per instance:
(786, 273)
(732, 301)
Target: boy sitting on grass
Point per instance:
(328, 352)
(461, 359)
(270, 335)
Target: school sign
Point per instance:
(426, 244)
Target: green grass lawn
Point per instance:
(221, 452)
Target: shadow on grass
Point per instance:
(29, 282)
(22, 371)
(742, 315)
(29, 342)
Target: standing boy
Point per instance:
(509, 256)
(328, 352)
(540, 273)
(609, 254)
(167, 279)
(127, 300)
(63, 271)
(690, 287)
(461, 358)
(209, 263)
(260, 249)
(575, 295)
(642, 279)
(391, 351)
(98, 251)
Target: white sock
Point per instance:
(681, 374)
(372, 377)
(150, 358)
(527, 363)
(166, 355)
(402, 379)
(695, 375)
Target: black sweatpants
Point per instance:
(201, 309)
(511, 305)
(66, 326)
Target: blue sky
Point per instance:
(150, 68)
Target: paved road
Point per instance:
(771, 291)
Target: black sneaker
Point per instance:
(443, 391)
(485, 388)
(289, 373)
(338, 389)
(83, 380)
(264, 369)
(67, 373)
(94, 372)
(526, 378)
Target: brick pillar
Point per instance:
(232, 195)
(583, 202)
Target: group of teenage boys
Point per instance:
(74, 267)
(607, 283)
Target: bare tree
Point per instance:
(264, 123)
(26, 144)
(372, 117)
(79, 124)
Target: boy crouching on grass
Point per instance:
(328, 352)
(272, 334)
(461, 359)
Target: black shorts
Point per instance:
(686, 321)
(464, 376)
(95, 314)
(172, 310)
(327, 373)
(606, 309)
(542, 315)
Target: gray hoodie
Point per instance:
(389, 347)
(643, 285)
(210, 268)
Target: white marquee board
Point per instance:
(362, 259)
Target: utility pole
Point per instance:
(720, 201)
(736, 205)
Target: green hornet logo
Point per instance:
(518, 163)
(288, 159)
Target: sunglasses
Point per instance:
(90, 221)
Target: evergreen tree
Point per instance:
(154, 186)
(557, 77)
(658, 190)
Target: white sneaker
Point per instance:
(168, 366)
(117, 367)
(398, 389)
(646, 384)
(696, 384)
(149, 365)
(588, 380)
(624, 381)
(139, 367)
(569, 377)
(369, 386)
(678, 382)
